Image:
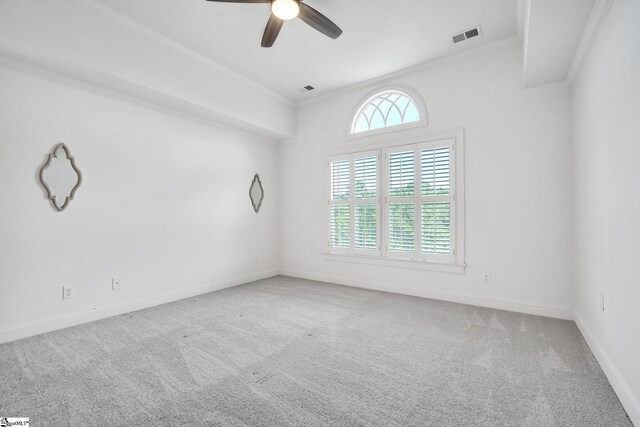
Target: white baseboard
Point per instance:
(629, 400)
(627, 397)
(49, 324)
(478, 300)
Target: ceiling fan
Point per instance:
(284, 10)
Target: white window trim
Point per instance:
(415, 97)
(447, 267)
(456, 262)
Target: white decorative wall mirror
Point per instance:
(60, 177)
(256, 193)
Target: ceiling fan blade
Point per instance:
(242, 1)
(271, 31)
(318, 21)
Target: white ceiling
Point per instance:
(380, 36)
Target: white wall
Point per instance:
(518, 188)
(163, 206)
(607, 200)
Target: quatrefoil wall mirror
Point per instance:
(256, 193)
(60, 177)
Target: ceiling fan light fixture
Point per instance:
(285, 9)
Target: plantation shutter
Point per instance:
(366, 202)
(354, 204)
(340, 180)
(401, 202)
(420, 201)
(436, 202)
(404, 208)
(339, 208)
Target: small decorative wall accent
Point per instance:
(60, 177)
(256, 193)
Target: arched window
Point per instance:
(386, 109)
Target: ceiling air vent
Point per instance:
(465, 35)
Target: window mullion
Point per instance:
(402, 199)
(379, 201)
(352, 205)
(436, 198)
(384, 204)
(453, 219)
(417, 227)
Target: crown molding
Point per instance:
(78, 76)
(546, 88)
(598, 15)
(594, 25)
(143, 30)
(426, 66)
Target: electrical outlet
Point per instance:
(257, 260)
(486, 278)
(68, 292)
(116, 284)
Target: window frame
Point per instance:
(413, 96)
(406, 141)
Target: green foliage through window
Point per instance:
(366, 229)
(436, 228)
(341, 226)
(401, 227)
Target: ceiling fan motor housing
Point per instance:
(284, 10)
